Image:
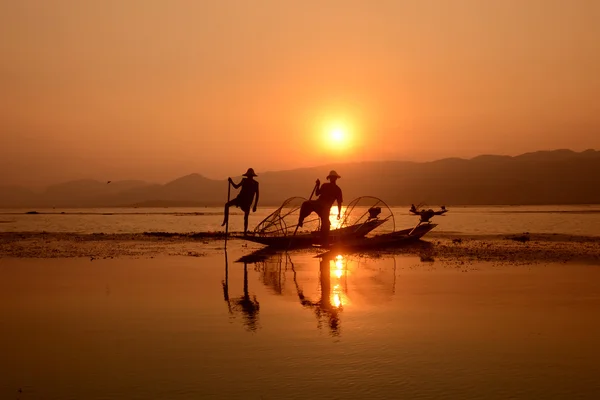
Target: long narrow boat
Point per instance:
(361, 218)
(384, 240)
(307, 239)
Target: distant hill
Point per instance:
(544, 177)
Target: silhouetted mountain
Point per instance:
(193, 187)
(545, 177)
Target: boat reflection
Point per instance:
(272, 268)
(341, 281)
(246, 305)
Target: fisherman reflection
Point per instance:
(246, 305)
(329, 306)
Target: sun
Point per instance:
(337, 136)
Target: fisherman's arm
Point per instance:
(235, 186)
(318, 188)
(339, 204)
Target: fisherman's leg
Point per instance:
(305, 211)
(325, 226)
(246, 213)
(226, 212)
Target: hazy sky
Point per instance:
(155, 89)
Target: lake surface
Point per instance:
(297, 327)
(573, 220)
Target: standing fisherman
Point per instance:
(327, 194)
(244, 198)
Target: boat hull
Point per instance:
(308, 239)
(386, 240)
(345, 237)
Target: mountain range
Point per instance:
(543, 177)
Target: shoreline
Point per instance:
(436, 246)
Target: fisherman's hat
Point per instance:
(333, 174)
(250, 172)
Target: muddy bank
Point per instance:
(448, 247)
(514, 249)
(99, 245)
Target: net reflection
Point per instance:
(341, 282)
(246, 305)
(272, 271)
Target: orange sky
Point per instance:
(155, 89)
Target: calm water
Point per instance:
(577, 220)
(297, 327)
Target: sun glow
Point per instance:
(337, 136)
(333, 213)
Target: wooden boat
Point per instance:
(307, 239)
(361, 218)
(384, 240)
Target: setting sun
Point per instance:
(337, 136)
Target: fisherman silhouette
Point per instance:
(244, 198)
(327, 194)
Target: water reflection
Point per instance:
(272, 271)
(246, 305)
(320, 283)
(328, 307)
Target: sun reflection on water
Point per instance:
(333, 213)
(339, 266)
(327, 300)
(337, 296)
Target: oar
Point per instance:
(227, 222)
(413, 229)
